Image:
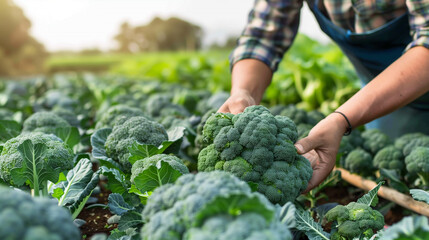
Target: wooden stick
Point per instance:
(386, 192)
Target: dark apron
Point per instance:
(372, 52)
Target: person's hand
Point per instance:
(237, 102)
(320, 147)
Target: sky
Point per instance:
(83, 24)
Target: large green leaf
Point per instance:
(9, 129)
(34, 168)
(70, 135)
(394, 179)
(371, 198)
(81, 181)
(420, 195)
(312, 229)
(117, 204)
(155, 176)
(116, 180)
(140, 151)
(234, 205)
(98, 139)
(409, 228)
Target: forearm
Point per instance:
(402, 82)
(251, 75)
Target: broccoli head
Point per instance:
(138, 129)
(45, 122)
(374, 140)
(57, 154)
(389, 157)
(257, 147)
(24, 217)
(246, 226)
(355, 219)
(67, 115)
(160, 106)
(417, 162)
(297, 115)
(359, 161)
(403, 140)
(117, 114)
(172, 208)
(414, 143)
(314, 117)
(143, 164)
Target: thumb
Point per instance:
(305, 145)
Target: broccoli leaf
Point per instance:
(305, 223)
(234, 205)
(420, 195)
(371, 198)
(9, 129)
(130, 219)
(286, 214)
(80, 183)
(34, 168)
(139, 151)
(117, 181)
(156, 176)
(411, 227)
(70, 135)
(394, 179)
(98, 139)
(117, 204)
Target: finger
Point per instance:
(320, 173)
(223, 109)
(313, 157)
(305, 145)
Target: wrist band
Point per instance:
(349, 128)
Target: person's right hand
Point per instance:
(237, 102)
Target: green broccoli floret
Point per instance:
(417, 162)
(143, 164)
(414, 143)
(24, 217)
(242, 227)
(303, 130)
(45, 122)
(117, 114)
(314, 117)
(199, 139)
(359, 161)
(67, 115)
(297, 115)
(57, 154)
(355, 219)
(172, 208)
(403, 140)
(389, 157)
(257, 147)
(138, 129)
(374, 140)
(160, 105)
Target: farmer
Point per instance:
(387, 42)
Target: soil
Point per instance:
(96, 218)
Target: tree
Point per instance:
(20, 54)
(160, 35)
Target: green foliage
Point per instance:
(34, 157)
(24, 217)
(409, 228)
(256, 147)
(417, 162)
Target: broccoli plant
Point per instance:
(205, 203)
(45, 122)
(257, 147)
(117, 114)
(417, 163)
(24, 217)
(389, 157)
(359, 161)
(34, 158)
(138, 129)
(374, 140)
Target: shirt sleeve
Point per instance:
(419, 23)
(272, 26)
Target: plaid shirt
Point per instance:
(273, 24)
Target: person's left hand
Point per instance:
(320, 147)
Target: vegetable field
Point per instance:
(139, 152)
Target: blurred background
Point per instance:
(47, 36)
